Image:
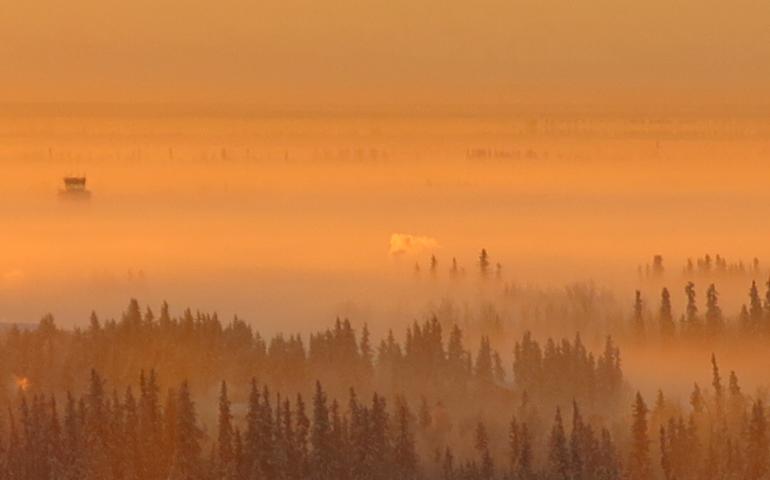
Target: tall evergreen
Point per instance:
(227, 468)
(150, 429)
(666, 317)
(757, 449)
(97, 464)
(302, 433)
(321, 454)
(187, 463)
(558, 452)
(714, 321)
(379, 438)
(484, 366)
(251, 442)
(756, 312)
(638, 320)
(484, 262)
(132, 451)
(692, 321)
(639, 465)
(404, 453)
(487, 470)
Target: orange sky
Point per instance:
(626, 54)
(374, 143)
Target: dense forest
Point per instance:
(191, 397)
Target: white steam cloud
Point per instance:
(402, 243)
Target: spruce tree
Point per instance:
(302, 433)
(716, 383)
(514, 445)
(524, 464)
(226, 457)
(132, 451)
(187, 463)
(756, 312)
(714, 321)
(758, 441)
(150, 430)
(484, 262)
(252, 436)
(558, 453)
(639, 466)
(404, 453)
(487, 469)
(692, 321)
(320, 463)
(484, 366)
(266, 440)
(666, 317)
(638, 320)
(97, 464)
(378, 438)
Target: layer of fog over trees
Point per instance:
(478, 299)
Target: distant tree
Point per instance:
(321, 455)
(53, 445)
(608, 464)
(757, 448)
(514, 445)
(433, 265)
(266, 445)
(238, 457)
(524, 465)
(716, 383)
(714, 321)
(666, 454)
(756, 312)
(692, 322)
(404, 453)
(187, 463)
(639, 466)
(132, 450)
(482, 447)
(484, 262)
(367, 356)
(579, 445)
(638, 322)
(499, 370)
(96, 432)
(484, 365)
(456, 355)
(666, 317)
(226, 460)
(251, 440)
(150, 428)
(454, 270)
(657, 265)
(379, 438)
(302, 433)
(696, 399)
(558, 453)
(338, 444)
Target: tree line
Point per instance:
(753, 318)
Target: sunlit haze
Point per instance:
(371, 241)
